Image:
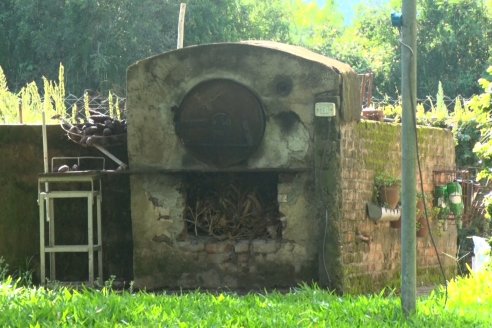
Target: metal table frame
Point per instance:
(90, 181)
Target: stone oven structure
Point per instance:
(249, 170)
(234, 150)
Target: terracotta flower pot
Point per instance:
(390, 196)
(396, 224)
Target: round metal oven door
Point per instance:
(220, 122)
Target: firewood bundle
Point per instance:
(99, 129)
(232, 213)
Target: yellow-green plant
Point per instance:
(392, 111)
(86, 104)
(9, 103)
(75, 111)
(30, 103)
(114, 108)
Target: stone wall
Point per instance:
(21, 156)
(166, 255)
(367, 148)
(289, 82)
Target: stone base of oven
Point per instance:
(203, 263)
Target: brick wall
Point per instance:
(367, 148)
(21, 152)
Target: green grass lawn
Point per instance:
(469, 305)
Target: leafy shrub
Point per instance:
(466, 135)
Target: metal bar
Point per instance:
(90, 238)
(42, 260)
(111, 156)
(71, 248)
(45, 158)
(51, 239)
(77, 158)
(70, 177)
(99, 240)
(69, 194)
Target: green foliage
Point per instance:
(383, 179)
(468, 292)
(235, 20)
(448, 40)
(31, 101)
(483, 104)
(470, 300)
(4, 269)
(22, 276)
(9, 103)
(370, 44)
(393, 111)
(98, 39)
(466, 135)
(437, 115)
(488, 205)
(312, 26)
(469, 121)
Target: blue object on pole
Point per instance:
(396, 19)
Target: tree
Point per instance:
(454, 45)
(371, 44)
(96, 40)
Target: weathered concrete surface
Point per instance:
(22, 160)
(165, 255)
(288, 81)
(324, 166)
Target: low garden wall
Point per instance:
(371, 252)
(21, 161)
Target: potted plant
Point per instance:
(387, 190)
(442, 215)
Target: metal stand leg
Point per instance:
(90, 232)
(47, 214)
(51, 236)
(42, 254)
(99, 240)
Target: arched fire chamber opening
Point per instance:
(232, 206)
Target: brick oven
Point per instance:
(234, 151)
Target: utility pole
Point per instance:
(408, 138)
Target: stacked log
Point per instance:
(99, 129)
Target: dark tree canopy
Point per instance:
(96, 40)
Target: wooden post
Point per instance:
(181, 21)
(20, 112)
